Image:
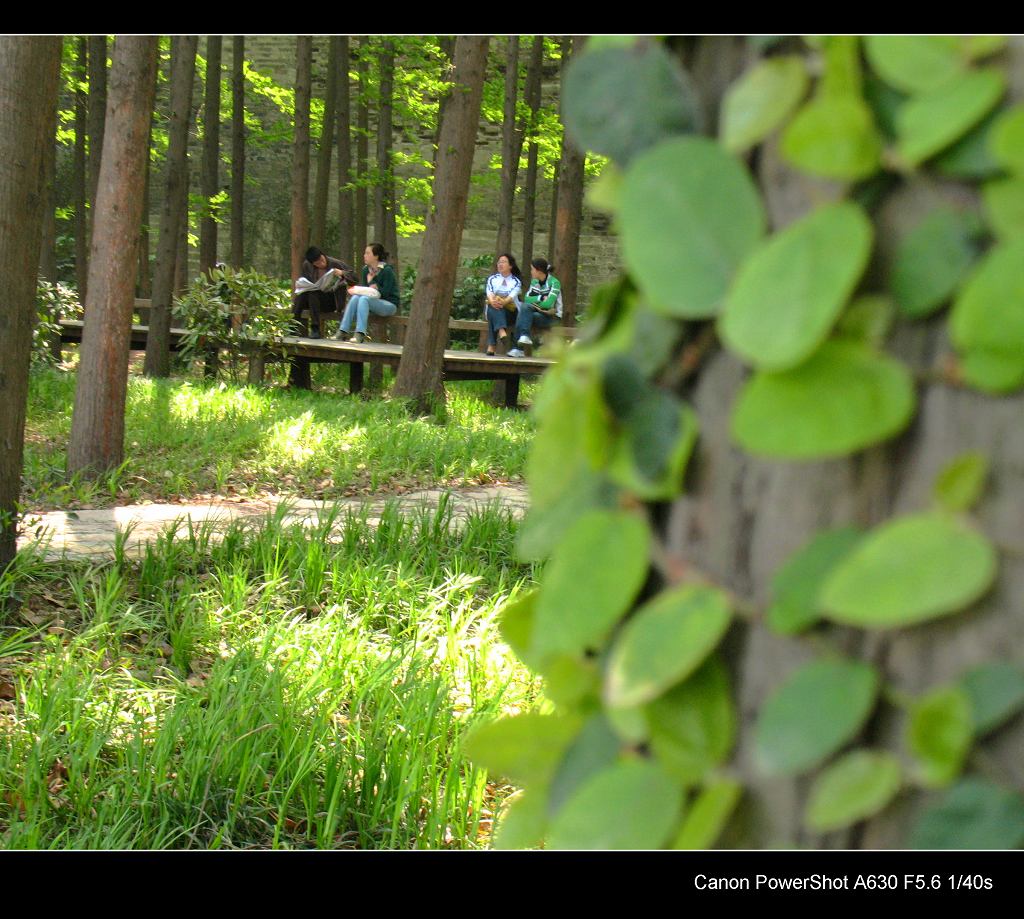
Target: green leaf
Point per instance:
(930, 263)
(693, 726)
(867, 319)
(619, 101)
(820, 708)
(790, 291)
(996, 692)
(979, 46)
(630, 724)
(760, 100)
(1007, 139)
(569, 679)
(664, 642)
(960, 483)
(987, 320)
(834, 137)
(1003, 203)
(632, 805)
(852, 789)
(690, 214)
(523, 821)
(709, 814)
(516, 626)
(932, 121)
(940, 733)
(597, 569)
(845, 398)
(605, 192)
(595, 748)
(797, 584)
(915, 63)
(526, 748)
(910, 570)
(885, 102)
(970, 157)
(973, 814)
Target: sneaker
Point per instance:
(341, 335)
(314, 333)
(524, 340)
(359, 338)
(515, 352)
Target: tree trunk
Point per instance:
(511, 147)
(97, 425)
(158, 342)
(300, 155)
(48, 244)
(565, 45)
(346, 235)
(29, 72)
(533, 88)
(384, 223)
(323, 160)
(97, 110)
(238, 153)
(362, 229)
(447, 45)
(211, 154)
(566, 252)
(419, 373)
(78, 179)
(144, 286)
(181, 278)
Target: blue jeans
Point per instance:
(361, 307)
(529, 317)
(496, 319)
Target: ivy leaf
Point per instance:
(631, 805)
(619, 101)
(993, 371)
(970, 157)
(760, 100)
(709, 814)
(595, 748)
(596, 571)
(569, 679)
(931, 121)
(834, 137)
(996, 692)
(820, 708)
(526, 748)
(790, 291)
(515, 623)
(940, 733)
(690, 214)
(1007, 139)
(523, 821)
(664, 642)
(979, 46)
(910, 570)
(845, 398)
(915, 63)
(960, 483)
(856, 787)
(867, 319)
(796, 584)
(930, 263)
(973, 814)
(693, 726)
(1003, 203)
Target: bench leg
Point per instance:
(512, 392)
(257, 368)
(376, 376)
(355, 378)
(298, 373)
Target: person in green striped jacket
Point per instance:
(542, 305)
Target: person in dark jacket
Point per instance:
(316, 265)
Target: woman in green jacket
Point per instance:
(379, 276)
(542, 305)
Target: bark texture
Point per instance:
(532, 96)
(211, 153)
(419, 373)
(238, 152)
(97, 425)
(346, 236)
(511, 147)
(29, 70)
(300, 153)
(324, 149)
(384, 194)
(78, 170)
(361, 218)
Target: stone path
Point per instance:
(92, 532)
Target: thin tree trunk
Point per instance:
(565, 255)
(97, 424)
(78, 180)
(144, 286)
(419, 373)
(181, 278)
(300, 153)
(158, 342)
(447, 46)
(565, 45)
(238, 153)
(48, 244)
(385, 197)
(97, 109)
(346, 234)
(29, 72)
(362, 229)
(318, 230)
(511, 146)
(533, 88)
(211, 154)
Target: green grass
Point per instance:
(285, 687)
(188, 437)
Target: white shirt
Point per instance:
(501, 286)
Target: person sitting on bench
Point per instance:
(542, 305)
(502, 291)
(377, 294)
(320, 293)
